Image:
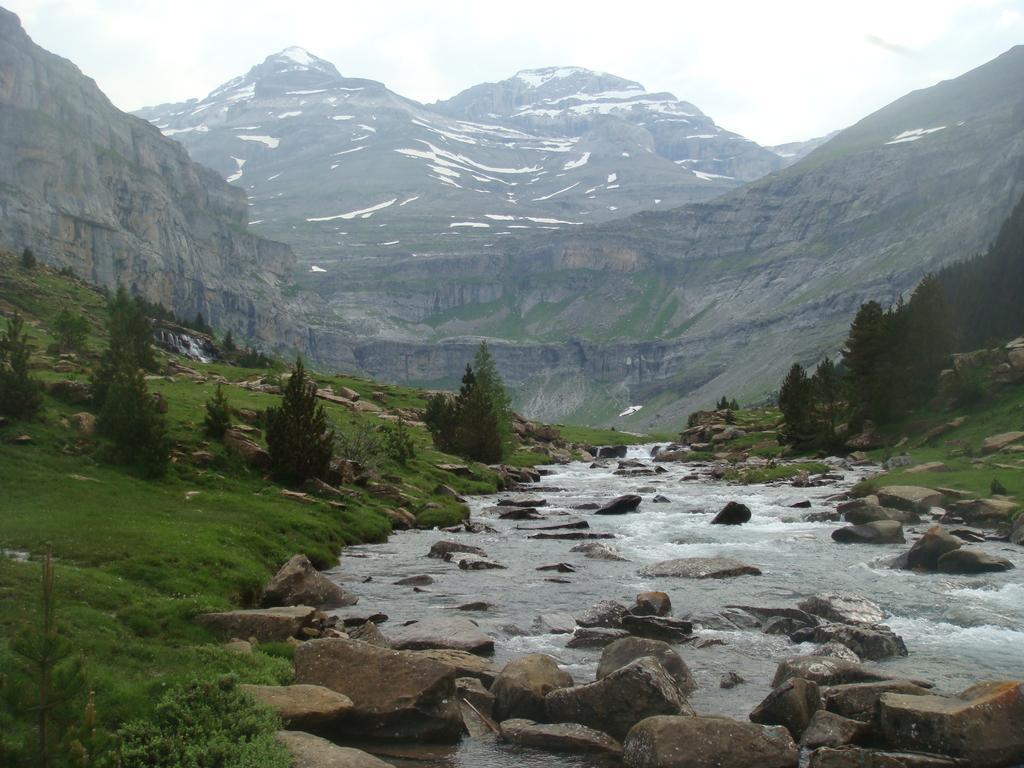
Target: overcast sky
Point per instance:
(773, 71)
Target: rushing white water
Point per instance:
(958, 629)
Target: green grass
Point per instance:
(138, 559)
(960, 449)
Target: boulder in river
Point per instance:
(870, 513)
(595, 637)
(652, 604)
(700, 568)
(559, 737)
(843, 607)
(299, 583)
(441, 549)
(597, 551)
(911, 498)
(877, 532)
(368, 632)
(987, 513)
(556, 623)
(521, 513)
(302, 707)
(464, 663)
(620, 505)
(309, 751)
(791, 705)
(617, 702)
(972, 560)
(982, 724)
(468, 561)
(622, 652)
(867, 642)
(520, 688)
(658, 628)
(859, 701)
(395, 695)
(454, 633)
(607, 613)
(707, 742)
(611, 452)
(825, 670)
(927, 550)
(732, 513)
(827, 729)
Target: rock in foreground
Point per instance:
(559, 737)
(707, 742)
(520, 688)
(395, 695)
(302, 707)
(309, 751)
(299, 583)
(617, 702)
(267, 625)
(629, 649)
(450, 633)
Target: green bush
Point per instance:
(209, 724)
(71, 330)
(28, 259)
(129, 417)
(398, 443)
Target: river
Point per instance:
(958, 629)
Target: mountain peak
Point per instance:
(297, 58)
(534, 78)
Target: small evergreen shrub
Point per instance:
(71, 330)
(19, 393)
(28, 259)
(211, 724)
(299, 439)
(218, 415)
(132, 421)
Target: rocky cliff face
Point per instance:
(105, 194)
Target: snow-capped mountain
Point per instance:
(342, 167)
(572, 100)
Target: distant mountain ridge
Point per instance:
(343, 168)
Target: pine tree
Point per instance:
(218, 415)
(298, 437)
(28, 259)
(71, 330)
(929, 338)
(229, 343)
(47, 680)
(826, 389)
(440, 418)
(478, 431)
(19, 392)
(862, 358)
(130, 343)
(796, 404)
(489, 380)
(130, 418)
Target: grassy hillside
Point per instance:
(137, 559)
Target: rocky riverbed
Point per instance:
(957, 629)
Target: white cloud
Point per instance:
(772, 71)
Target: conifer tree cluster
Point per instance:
(299, 438)
(477, 423)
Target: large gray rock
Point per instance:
(267, 625)
(441, 632)
(700, 568)
(658, 628)
(911, 498)
(395, 695)
(859, 701)
(607, 613)
(870, 513)
(868, 643)
(877, 532)
(299, 583)
(620, 505)
(972, 560)
(791, 705)
(927, 550)
(441, 549)
(302, 707)
(309, 751)
(615, 703)
(707, 742)
(464, 663)
(520, 688)
(843, 607)
(559, 737)
(622, 652)
(982, 724)
(595, 550)
(827, 729)
(825, 670)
